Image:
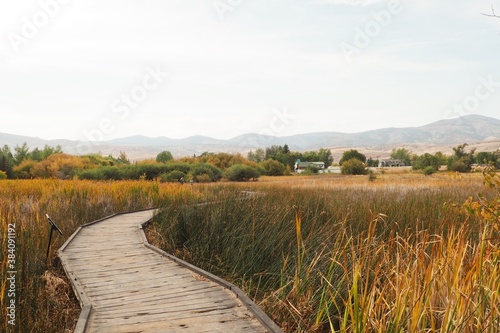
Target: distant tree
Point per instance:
(461, 161)
(258, 156)
(325, 156)
(350, 154)
(24, 169)
(353, 166)
(460, 150)
(488, 157)
(273, 167)
(21, 153)
(277, 153)
(6, 161)
(48, 151)
(322, 155)
(371, 162)
(123, 159)
(402, 154)
(426, 160)
(36, 154)
(441, 158)
(164, 157)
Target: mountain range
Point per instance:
(478, 131)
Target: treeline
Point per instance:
(353, 162)
(460, 161)
(52, 162)
(287, 158)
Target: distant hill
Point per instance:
(440, 135)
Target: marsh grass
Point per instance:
(44, 300)
(349, 255)
(322, 253)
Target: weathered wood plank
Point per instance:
(125, 286)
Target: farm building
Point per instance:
(390, 163)
(301, 166)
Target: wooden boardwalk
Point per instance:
(126, 285)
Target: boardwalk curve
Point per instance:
(124, 284)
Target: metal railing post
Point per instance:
(53, 226)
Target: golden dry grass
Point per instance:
(319, 253)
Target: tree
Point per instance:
(371, 162)
(164, 157)
(426, 160)
(488, 157)
(6, 161)
(401, 154)
(442, 159)
(277, 153)
(353, 166)
(325, 156)
(123, 159)
(48, 151)
(24, 169)
(21, 153)
(258, 156)
(350, 154)
(273, 167)
(36, 154)
(461, 161)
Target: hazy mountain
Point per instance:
(472, 129)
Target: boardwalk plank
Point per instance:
(132, 288)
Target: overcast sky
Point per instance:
(97, 70)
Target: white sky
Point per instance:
(238, 66)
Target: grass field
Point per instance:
(44, 300)
(319, 253)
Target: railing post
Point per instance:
(53, 227)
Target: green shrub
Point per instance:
(102, 173)
(3, 174)
(204, 178)
(459, 166)
(310, 170)
(204, 172)
(172, 176)
(353, 167)
(241, 172)
(273, 167)
(429, 170)
(180, 166)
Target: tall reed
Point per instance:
(44, 301)
(336, 257)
